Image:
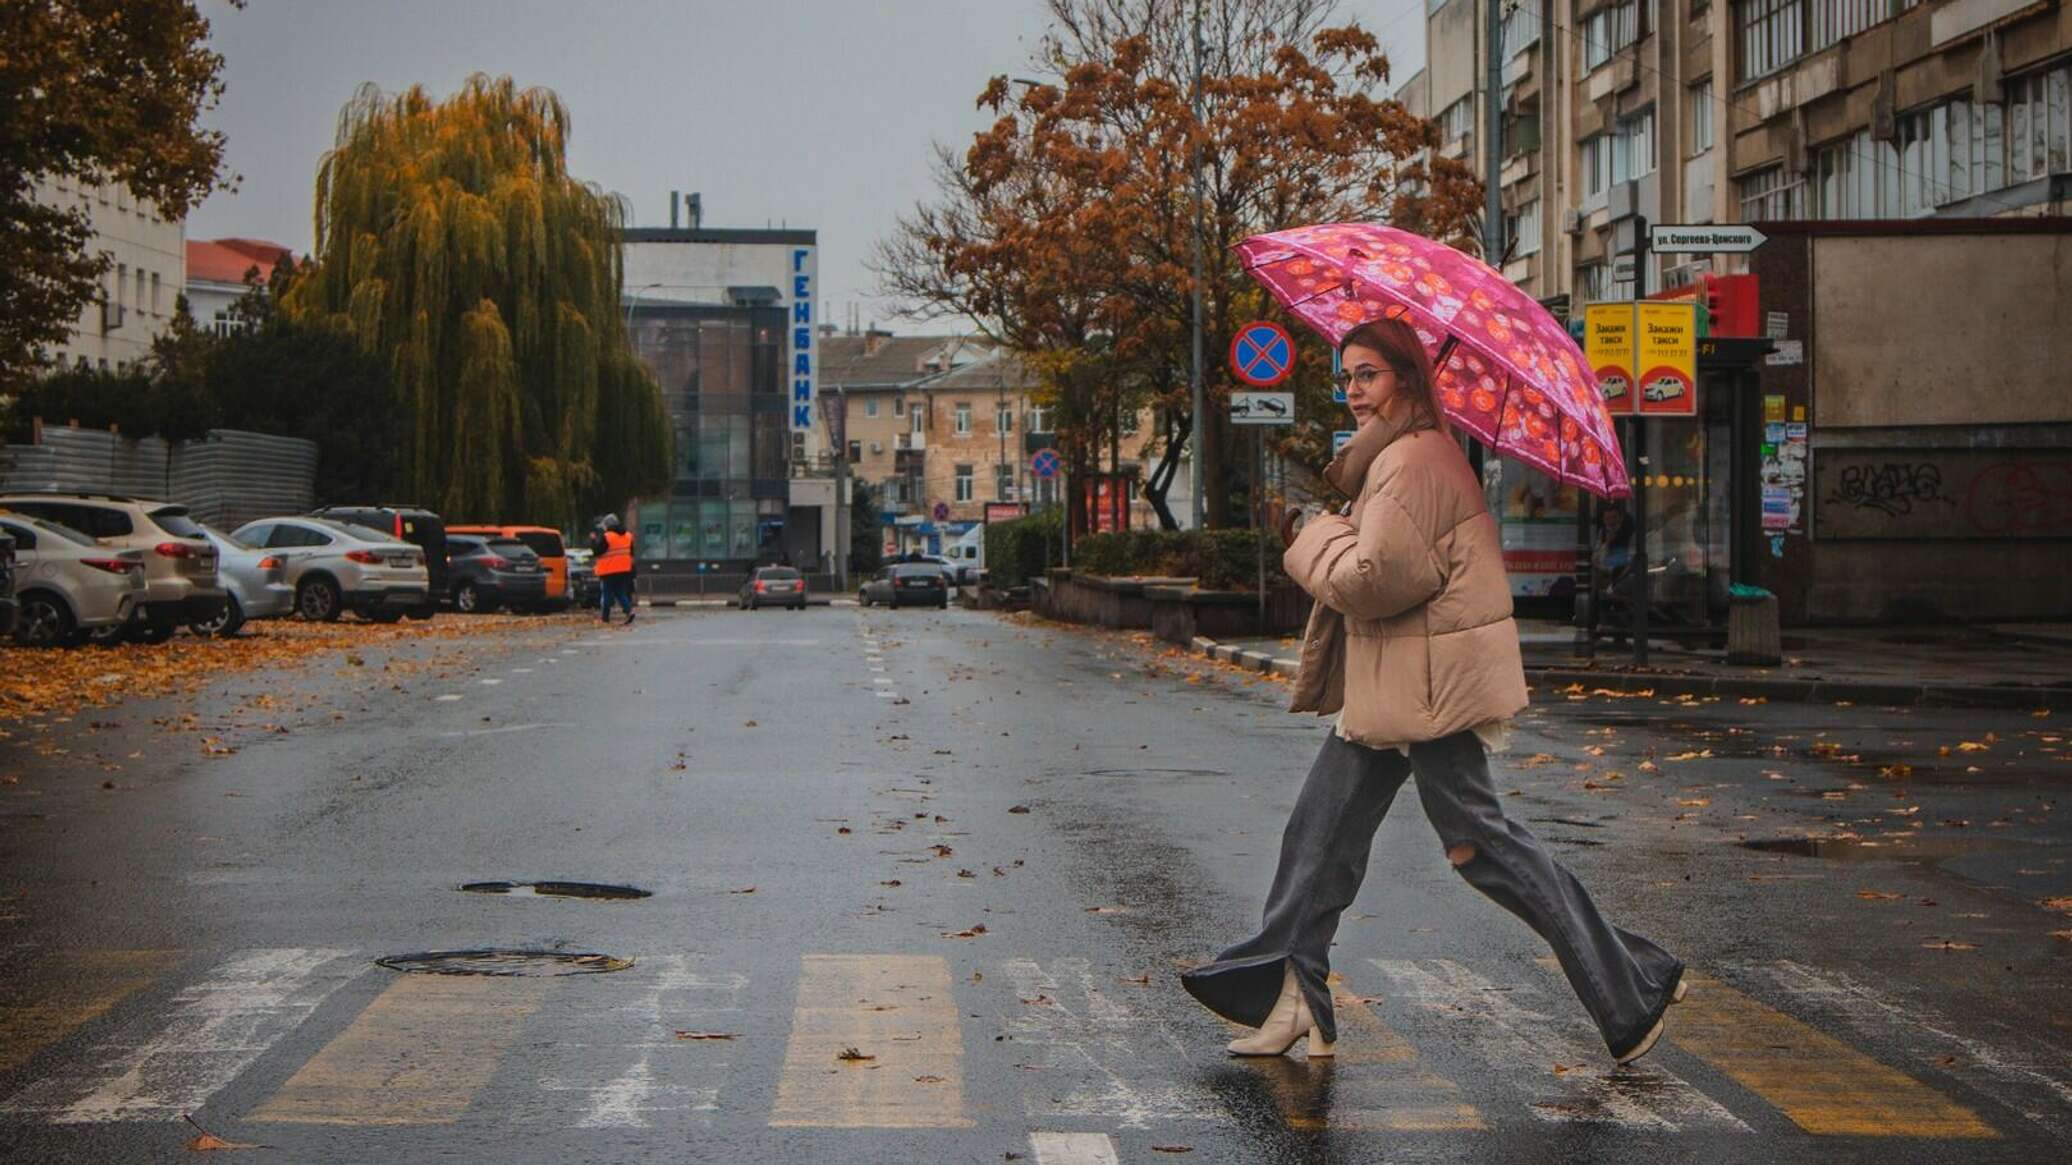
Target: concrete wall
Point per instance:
(1981, 335)
(1450, 55)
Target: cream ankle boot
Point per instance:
(1289, 1021)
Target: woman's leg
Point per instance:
(1323, 859)
(1623, 979)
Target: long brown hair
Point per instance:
(1405, 354)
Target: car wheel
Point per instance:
(943, 606)
(317, 601)
(467, 599)
(44, 621)
(421, 613)
(225, 624)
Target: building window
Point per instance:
(964, 483)
(899, 406)
(1637, 134)
(1608, 30)
(917, 417)
(1457, 121)
(1003, 418)
(1596, 169)
(1769, 195)
(870, 407)
(1834, 19)
(154, 293)
(1003, 482)
(121, 283)
(1593, 283)
(963, 418)
(855, 450)
(1700, 102)
(1771, 34)
(1524, 229)
(1039, 420)
(1521, 29)
(140, 300)
(2037, 131)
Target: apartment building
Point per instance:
(147, 268)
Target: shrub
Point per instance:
(1217, 559)
(1020, 550)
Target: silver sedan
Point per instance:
(336, 567)
(67, 583)
(257, 582)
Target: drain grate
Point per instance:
(505, 963)
(558, 890)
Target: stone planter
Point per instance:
(1118, 603)
(1181, 613)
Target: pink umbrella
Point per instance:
(1508, 373)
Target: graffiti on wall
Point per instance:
(1957, 493)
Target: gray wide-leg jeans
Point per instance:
(1623, 980)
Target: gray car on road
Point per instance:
(335, 567)
(256, 580)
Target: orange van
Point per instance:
(541, 540)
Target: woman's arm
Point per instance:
(1382, 567)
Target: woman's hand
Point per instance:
(1291, 524)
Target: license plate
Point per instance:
(400, 560)
(524, 568)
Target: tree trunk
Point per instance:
(1160, 479)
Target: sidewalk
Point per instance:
(2026, 666)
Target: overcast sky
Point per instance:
(813, 113)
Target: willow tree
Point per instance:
(451, 239)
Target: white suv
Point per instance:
(180, 584)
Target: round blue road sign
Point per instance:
(1045, 463)
(1262, 353)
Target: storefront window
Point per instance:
(1536, 516)
(1686, 525)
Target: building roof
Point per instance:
(998, 369)
(877, 360)
(228, 260)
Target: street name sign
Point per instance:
(1262, 353)
(1704, 240)
(1262, 408)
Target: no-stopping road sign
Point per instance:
(1262, 353)
(1045, 463)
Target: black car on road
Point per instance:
(484, 573)
(908, 584)
(774, 586)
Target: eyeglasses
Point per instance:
(1364, 377)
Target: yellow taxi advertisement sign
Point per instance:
(1668, 360)
(1608, 345)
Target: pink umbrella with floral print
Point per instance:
(1508, 373)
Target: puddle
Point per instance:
(557, 890)
(505, 963)
(1864, 849)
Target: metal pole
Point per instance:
(1201, 421)
(1259, 513)
(1640, 453)
(1493, 132)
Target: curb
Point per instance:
(1783, 691)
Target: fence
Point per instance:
(227, 478)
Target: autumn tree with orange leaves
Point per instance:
(1065, 229)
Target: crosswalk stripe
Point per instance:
(898, 1009)
(417, 1055)
(1509, 1028)
(2039, 1083)
(1073, 1148)
(1106, 1059)
(665, 1074)
(1822, 1084)
(69, 991)
(1381, 1084)
(219, 1026)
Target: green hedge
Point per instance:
(1219, 560)
(1020, 550)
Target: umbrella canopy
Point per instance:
(1508, 372)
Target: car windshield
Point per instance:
(229, 540)
(510, 548)
(174, 520)
(910, 570)
(778, 573)
(357, 533)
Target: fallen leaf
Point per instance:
(1949, 944)
(1172, 1148)
(1878, 895)
(205, 1141)
(1898, 771)
(1695, 802)
(1143, 980)
(750, 724)
(691, 1035)
(928, 1080)
(851, 1054)
(2062, 905)
(743, 890)
(1018, 809)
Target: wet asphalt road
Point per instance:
(977, 852)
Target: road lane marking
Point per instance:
(1822, 1084)
(219, 1026)
(655, 1080)
(72, 989)
(417, 1055)
(1104, 1059)
(448, 698)
(645, 642)
(508, 728)
(489, 683)
(1379, 1083)
(1519, 1027)
(2037, 1084)
(1073, 1149)
(897, 1008)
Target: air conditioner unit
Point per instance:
(903, 441)
(1572, 221)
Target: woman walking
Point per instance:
(1411, 644)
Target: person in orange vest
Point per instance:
(614, 549)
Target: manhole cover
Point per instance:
(505, 963)
(558, 890)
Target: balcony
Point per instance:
(910, 442)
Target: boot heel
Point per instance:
(1319, 1047)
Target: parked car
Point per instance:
(907, 584)
(413, 524)
(774, 586)
(9, 610)
(547, 545)
(66, 583)
(334, 567)
(180, 584)
(254, 578)
(582, 577)
(484, 573)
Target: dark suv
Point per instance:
(413, 524)
(484, 572)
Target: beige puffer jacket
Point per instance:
(1411, 638)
